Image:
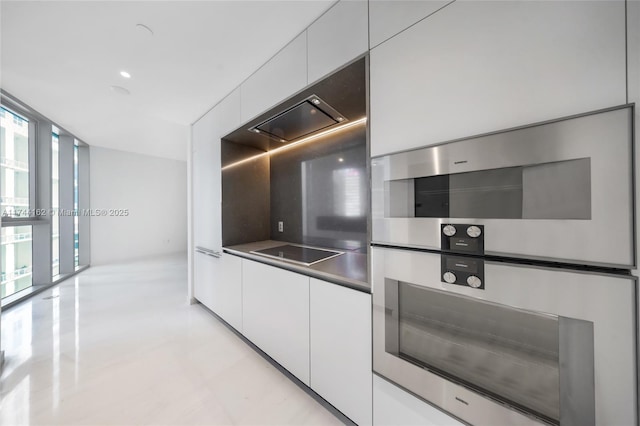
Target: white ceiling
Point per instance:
(61, 57)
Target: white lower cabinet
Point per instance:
(319, 331)
(227, 290)
(205, 269)
(218, 286)
(394, 406)
(275, 315)
(341, 348)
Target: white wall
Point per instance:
(155, 192)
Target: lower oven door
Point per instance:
(534, 346)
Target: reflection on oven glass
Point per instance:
(507, 353)
(559, 190)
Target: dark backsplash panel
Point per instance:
(320, 191)
(245, 195)
(321, 200)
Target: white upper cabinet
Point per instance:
(337, 37)
(227, 113)
(207, 186)
(281, 77)
(389, 17)
(475, 67)
(207, 190)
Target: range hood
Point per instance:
(304, 118)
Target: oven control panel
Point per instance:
(462, 271)
(460, 238)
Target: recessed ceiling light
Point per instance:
(341, 159)
(125, 74)
(119, 90)
(144, 29)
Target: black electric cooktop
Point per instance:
(298, 254)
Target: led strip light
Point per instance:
(300, 142)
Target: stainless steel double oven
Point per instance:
(501, 273)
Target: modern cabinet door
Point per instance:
(206, 270)
(337, 37)
(207, 195)
(207, 232)
(477, 67)
(341, 348)
(389, 17)
(393, 406)
(275, 315)
(206, 174)
(227, 113)
(282, 76)
(227, 290)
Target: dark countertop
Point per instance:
(348, 270)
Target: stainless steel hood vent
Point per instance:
(304, 118)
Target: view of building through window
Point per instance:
(16, 240)
(16, 259)
(36, 206)
(14, 159)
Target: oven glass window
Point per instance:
(506, 353)
(559, 190)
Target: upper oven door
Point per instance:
(561, 190)
(549, 345)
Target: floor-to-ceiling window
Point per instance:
(16, 259)
(15, 192)
(55, 204)
(43, 178)
(76, 218)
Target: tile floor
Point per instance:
(120, 344)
